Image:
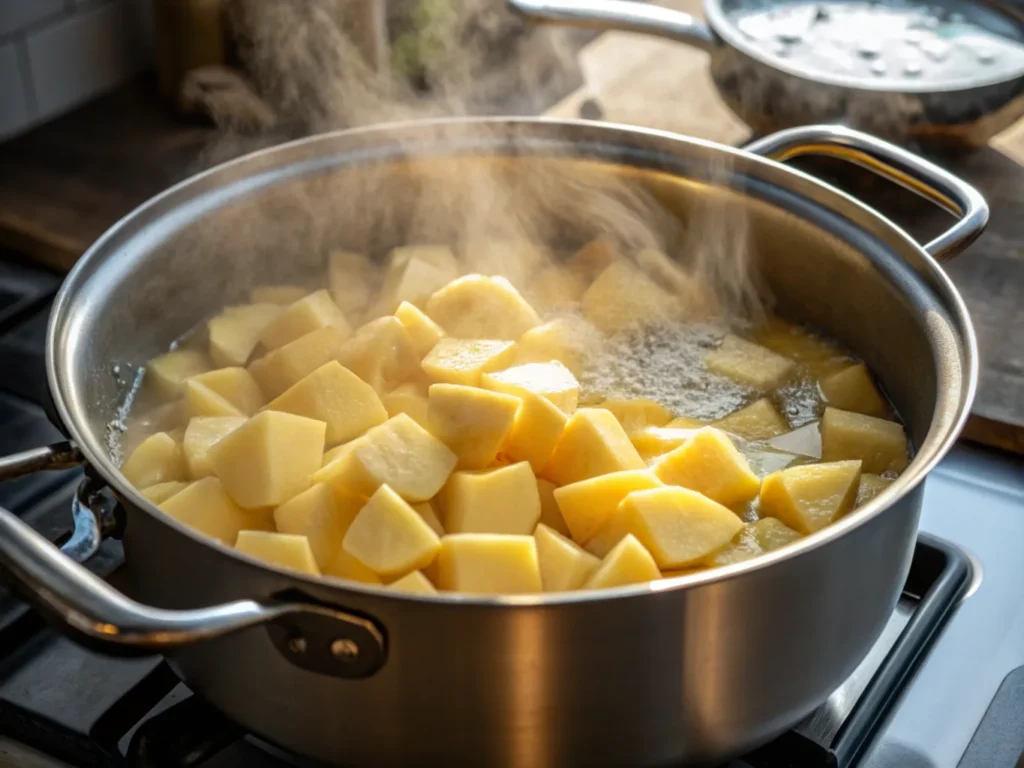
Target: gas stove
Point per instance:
(943, 686)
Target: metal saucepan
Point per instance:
(689, 670)
(770, 87)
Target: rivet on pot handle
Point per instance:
(895, 164)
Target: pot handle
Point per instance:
(895, 164)
(621, 15)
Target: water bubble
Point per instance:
(985, 55)
(789, 36)
(936, 50)
(913, 37)
(912, 67)
(878, 68)
(869, 49)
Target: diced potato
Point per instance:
(563, 565)
(336, 396)
(200, 400)
(473, 422)
(852, 389)
(593, 443)
(438, 256)
(587, 505)
(352, 279)
(623, 297)
(869, 487)
(338, 452)
(280, 369)
(636, 414)
(755, 539)
(323, 516)
(236, 385)
(502, 500)
(463, 361)
(750, 364)
(414, 273)
(489, 563)
(710, 464)
(423, 332)
(592, 259)
(809, 497)
(695, 299)
(537, 427)
(409, 398)
(381, 353)
(157, 459)
(270, 458)
(555, 289)
(203, 433)
(550, 514)
(166, 374)
(685, 422)
(651, 442)
(627, 563)
(206, 506)
(281, 295)
(235, 332)
(414, 583)
(881, 445)
(283, 549)
(568, 340)
(478, 307)
(551, 380)
(818, 356)
(679, 527)
(757, 421)
(344, 566)
(398, 453)
(161, 492)
(803, 441)
(389, 537)
(308, 314)
(426, 510)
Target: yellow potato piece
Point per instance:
(634, 415)
(809, 497)
(819, 357)
(202, 433)
(322, 515)
(281, 295)
(235, 332)
(555, 289)
(206, 507)
(166, 374)
(685, 422)
(287, 365)
(157, 459)
(338, 452)
(592, 259)
(270, 458)
(755, 539)
(696, 300)
(852, 389)
(869, 487)
(283, 549)
(161, 492)
(344, 566)
(881, 445)
(423, 332)
(414, 583)
(537, 427)
(389, 537)
(489, 563)
(426, 510)
(308, 314)
(750, 364)
(563, 565)
(551, 380)
(593, 443)
(710, 464)
(352, 279)
(381, 354)
(550, 514)
(679, 527)
(502, 500)
(627, 563)
(236, 385)
(200, 400)
(624, 297)
(409, 398)
(473, 422)
(336, 396)
(757, 421)
(462, 361)
(588, 505)
(478, 307)
(415, 272)
(651, 442)
(568, 340)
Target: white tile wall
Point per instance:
(14, 103)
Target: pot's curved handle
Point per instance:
(621, 15)
(895, 164)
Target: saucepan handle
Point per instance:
(895, 164)
(621, 15)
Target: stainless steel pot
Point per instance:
(689, 670)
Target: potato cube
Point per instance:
(423, 332)
(308, 314)
(338, 452)
(353, 279)
(161, 492)
(852, 389)
(206, 507)
(624, 297)
(344, 566)
(389, 537)
(166, 374)
(803, 441)
(426, 510)
(473, 422)
(489, 563)
(270, 458)
(415, 583)
(502, 500)
(869, 487)
(235, 332)
(679, 527)
(810, 497)
(236, 385)
(280, 369)
(551, 380)
(280, 295)
(409, 398)
(438, 256)
(685, 422)
(415, 272)
(563, 565)
(637, 414)
(478, 307)
(587, 505)
(381, 354)
(651, 442)
(592, 259)
(157, 459)
(755, 539)
(323, 516)
(283, 549)
(881, 445)
(336, 396)
(757, 421)
(672, 277)
(627, 563)
(819, 357)
(202, 433)
(593, 443)
(750, 364)
(570, 341)
(550, 514)
(538, 425)
(200, 401)
(555, 289)
(710, 464)
(462, 361)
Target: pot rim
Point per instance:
(931, 451)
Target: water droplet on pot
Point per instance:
(789, 36)
(869, 49)
(913, 37)
(912, 67)
(878, 68)
(936, 50)
(985, 55)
